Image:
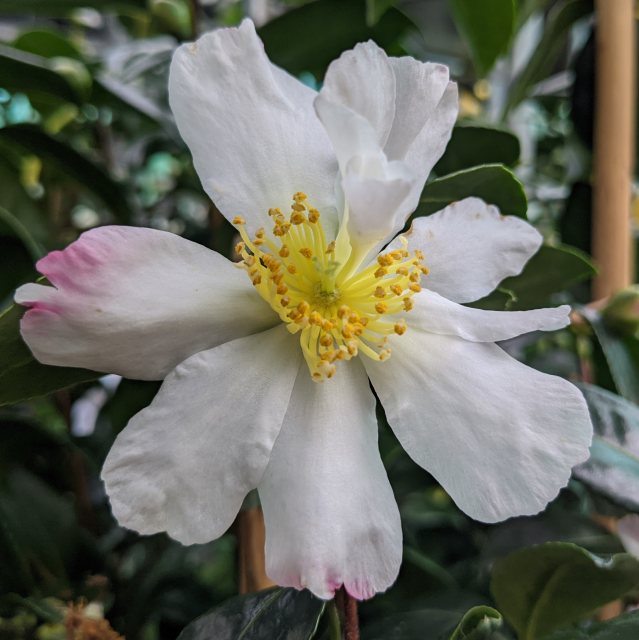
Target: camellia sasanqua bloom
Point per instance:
(266, 363)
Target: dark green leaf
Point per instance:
(31, 74)
(621, 353)
(558, 24)
(487, 27)
(624, 627)
(276, 614)
(62, 157)
(613, 467)
(23, 377)
(45, 43)
(473, 145)
(493, 183)
(424, 624)
(545, 587)
(42, 525)
(62, 7)
(336, 26)
(375, 9)
(480, 623)
(549, 271)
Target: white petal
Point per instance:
(251, 128)
(375, 191)
(136, 302)
(389, 121)
(436, 314)
(331, 517)
(185, 463)
(500, 437)
(362, 79)
(470, 248)
(425, 113)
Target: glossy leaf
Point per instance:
(546, 587)
(423, 624)
(275, 614)
(613, 467)
(63, 7)
(21, 375)
(621, 353)
(494, 183)
(551, 270)
(624, 627)
(487, 27)
(32, 74)
(73, 164)
(336, 26)
(558, 23)
(473, 145)
(480, 623)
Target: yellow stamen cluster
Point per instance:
(339, 313)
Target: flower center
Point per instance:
(338, 311)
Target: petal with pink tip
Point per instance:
(136, 302)
(331, 517)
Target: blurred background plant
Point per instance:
(86, 138)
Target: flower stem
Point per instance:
(348, 608)
(334, 625)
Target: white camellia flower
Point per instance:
(267, 363)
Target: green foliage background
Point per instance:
(86, 138)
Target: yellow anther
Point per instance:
(326, 340)
(310, 283)
(424, 270)
(304, 307)
(419, 255)
(297, 217)
(348, 330)
(400, 328)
